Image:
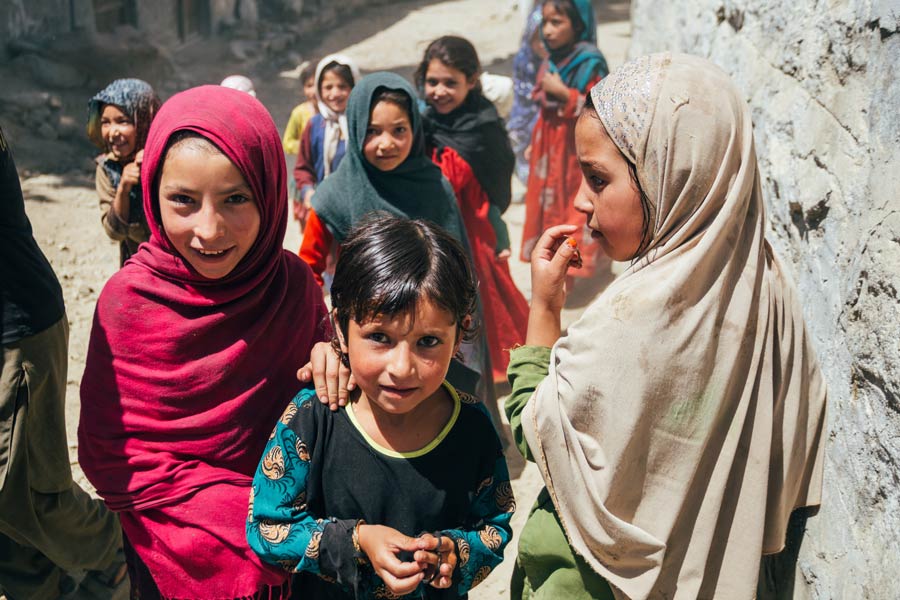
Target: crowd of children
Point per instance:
(652, 419)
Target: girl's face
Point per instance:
(334, 91)
(389, 136)
(400, 361)
(207, 209)
(309, 88)
(446, 88)
(607, 196)
(558, 29)
(119, 131)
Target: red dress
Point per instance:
(553, 181)
(505, 308)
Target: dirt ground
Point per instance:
(62, 204)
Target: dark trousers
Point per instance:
(48, 524)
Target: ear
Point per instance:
(337, 331)
(473, 80)
(466, 323)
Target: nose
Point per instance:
(582, 202)
(208, 225)
(400, 365)
(385, 142)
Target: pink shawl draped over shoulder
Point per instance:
(186, 376)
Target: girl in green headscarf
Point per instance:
(386, 169)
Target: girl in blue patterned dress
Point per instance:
(405, 491)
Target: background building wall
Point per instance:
(821, 80)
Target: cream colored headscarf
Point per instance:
(335, 124)
(683, 416)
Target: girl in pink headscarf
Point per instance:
(194, 347)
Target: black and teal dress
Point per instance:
(321, 473)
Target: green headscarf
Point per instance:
(415, 189)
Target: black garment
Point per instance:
(477, 133)
(30, 296)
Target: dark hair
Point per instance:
(397, 97)
(342, 71)
(388, 263)
(567, 7)
(455, 52)
(591, 112)
(308, 70)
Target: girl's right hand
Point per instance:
(381, 546)
(550, 262)
(131, 175)
(333, 381)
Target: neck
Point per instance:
(409, 431)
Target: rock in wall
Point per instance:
(821, 78)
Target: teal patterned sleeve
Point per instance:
(480, 548)
(279, 528)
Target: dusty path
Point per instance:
(63, 207)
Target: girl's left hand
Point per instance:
(332, 379)
(553, 85)
(439, 553)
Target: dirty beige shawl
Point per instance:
(683, 416)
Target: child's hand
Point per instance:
(504, 255)
(332, 379)
(131, 175)
(439, 553)
(382, 545)
(550, 261)
(553, 85)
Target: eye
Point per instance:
(370, 132)
(400, 130)
(595, 181)
(431, 82)
(237, 199)
(378, 337)
(181, 199)
(429, 341)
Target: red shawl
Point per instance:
(186, 376)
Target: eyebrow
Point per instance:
(180, 189)
(593, 165)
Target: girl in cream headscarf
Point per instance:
(679, 422)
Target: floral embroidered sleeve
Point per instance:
(279, 528)
(480, 546)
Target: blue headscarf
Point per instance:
(580, 64)
(135, 98)
(525, 110)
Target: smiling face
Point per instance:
(389, 136)
(446, 88)
(119, 131)
(400, 361)
(208, 211)
(557, 27)
(608, 197)
(334, 91)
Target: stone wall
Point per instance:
(821, 80)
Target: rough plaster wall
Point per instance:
(822, 80)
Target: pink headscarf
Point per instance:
(186, 376)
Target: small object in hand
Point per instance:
(575, 261)
(437, 550)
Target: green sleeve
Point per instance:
(500, 229)
(528, 366)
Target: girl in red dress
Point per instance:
(468, 141)
(574, 65)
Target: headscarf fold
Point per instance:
(683, 417)
(335, 124)
(135, 98)
(476, 132)
(577, 65)
(185, 376)
(416, 189)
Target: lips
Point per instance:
(401, 392)
(212, 255)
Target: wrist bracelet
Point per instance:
(360, 555)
